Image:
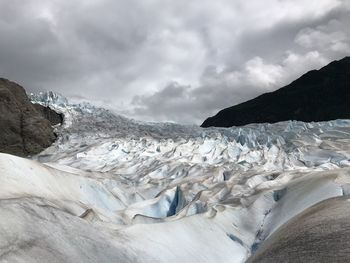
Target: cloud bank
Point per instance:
(162, 60)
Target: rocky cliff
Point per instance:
(23, 129)
(319, 95)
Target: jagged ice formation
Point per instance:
(115, 189)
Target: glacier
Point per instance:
(116, 189)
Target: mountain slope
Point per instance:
(319, 95)
(23, 130)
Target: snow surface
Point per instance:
(111, 189)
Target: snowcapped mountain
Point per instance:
(115, 189)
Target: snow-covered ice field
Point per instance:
(111, 189)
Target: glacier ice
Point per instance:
(115, 188)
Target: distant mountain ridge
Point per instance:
(319, 95)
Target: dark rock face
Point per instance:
(319, 95)
(49, 114)
(23, 130)
(319, 234)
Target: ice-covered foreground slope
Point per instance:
(117, 190)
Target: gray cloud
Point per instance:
(164, 60)
(223, 88)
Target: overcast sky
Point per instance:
(166, 60)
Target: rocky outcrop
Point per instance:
(23, 130)
(319, 95)
(52, 116)
(319, 234)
